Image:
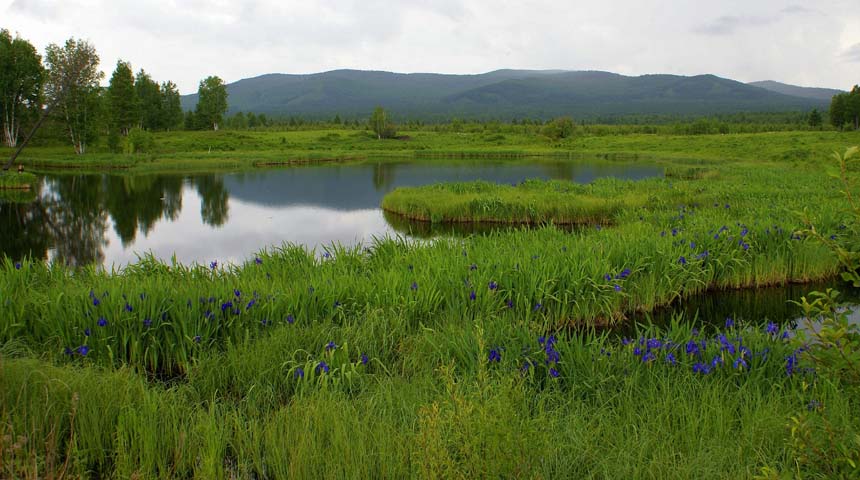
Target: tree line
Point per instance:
(845, 109)
(65, 87)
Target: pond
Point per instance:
(110, 219)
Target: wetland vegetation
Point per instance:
(477, 355)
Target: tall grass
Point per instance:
(16, 180)
(435, 404)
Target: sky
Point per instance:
(800, 42)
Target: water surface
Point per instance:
(109, 219)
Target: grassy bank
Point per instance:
(16, 181)
(199, 151)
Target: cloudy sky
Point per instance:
(801, 42)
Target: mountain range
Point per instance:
(507, 94)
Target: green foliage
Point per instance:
(124, 105)
(72, 87)
(558, 128)
(845, 109)
(16, 180)
(211, 103)
(21, 79)
(814, 118)
(150, 99)
(171, 108)
(139, 141)
(381, 125)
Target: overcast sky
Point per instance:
(800, 42)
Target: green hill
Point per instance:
(823, 94)
(501, 94)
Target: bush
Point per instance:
(558, 128)
(139, 141)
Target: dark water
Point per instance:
(108, 219)
(752, 305)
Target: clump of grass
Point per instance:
(531, 202)
(17, 180)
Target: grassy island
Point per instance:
(16, 180)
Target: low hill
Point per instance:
(823, 94)
(501, 94)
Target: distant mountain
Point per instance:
(501, 94)
(824, 94)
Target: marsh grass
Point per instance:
(17, 180)
(431, 404)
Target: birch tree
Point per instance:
(21, 78)
(72, 88)
(211, 101)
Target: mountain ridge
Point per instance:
(506, 94)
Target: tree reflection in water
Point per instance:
(65, 219)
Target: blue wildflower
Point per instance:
(637, 351)
(472, 295)
(537, 307)
(128, 308)
(729, 322)
(702, 368)
(554, 373)
(196, 338)
(473, 267)
(251, 304)
(510, 304)
(617, 287)
(213, 265)
(414, 286)
(494, 356)
(330, 346)
(326, 255)
(682, 260)
(83, 350)
(670, 359)
(226, 305)
(290, 319)
(102, 322)
(492, 285)
(322, 367)
(654, 343)
(607, 277)
(624, 273)
(299, 373)
(147, 322)
(17, 265)
(790, 364)
(364, 359)
(740, 363)
(648, 357)
(87, 332)
(772, 328)
(258, 261)
(96, 302)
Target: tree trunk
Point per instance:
(38, 124)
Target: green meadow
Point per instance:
(484, 356)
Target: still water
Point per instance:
(110, 219)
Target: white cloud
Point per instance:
(186, 40)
